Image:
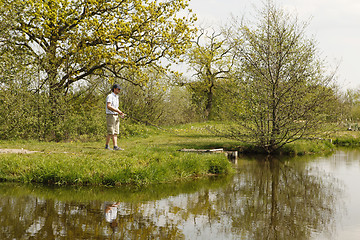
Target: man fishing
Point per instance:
(112, 117)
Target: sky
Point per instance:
(334, 24)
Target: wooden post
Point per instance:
(232, 156)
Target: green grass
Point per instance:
(151, 159)
(304, 147)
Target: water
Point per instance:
(299, 198)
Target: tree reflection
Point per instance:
(282, 200)
(34, 219)
(268, 199)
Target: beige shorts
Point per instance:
(113, 123)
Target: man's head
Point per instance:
(115, 86)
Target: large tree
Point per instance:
(284, 86)
(72, 40)
(211, 60)
(53, 48)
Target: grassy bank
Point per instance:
(150, 158)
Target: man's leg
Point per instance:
(110, 122)
(115, 143)
(108, 137)
(114, 137)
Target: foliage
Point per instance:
(284, 91)
(347, 141)
(160, 102)
(350, 107)
(74, 39)
(211, 60)
(178, 107)
(26, 116)
(86, 44)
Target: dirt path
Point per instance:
(24, 151)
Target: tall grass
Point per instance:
(83, 169)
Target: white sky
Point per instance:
(335, 25)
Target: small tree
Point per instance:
(283, 88)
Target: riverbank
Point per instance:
(150, 157)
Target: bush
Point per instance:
(347, 141)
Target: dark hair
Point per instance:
(115, 86)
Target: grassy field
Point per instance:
(152, 156)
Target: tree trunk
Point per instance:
(209, 104)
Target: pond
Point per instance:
(289, 198)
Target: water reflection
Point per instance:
(284, 200)
(267, 199)
(111, 215)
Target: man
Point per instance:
(112, 117)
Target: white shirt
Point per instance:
(113, 99)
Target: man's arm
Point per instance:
(111, 108)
